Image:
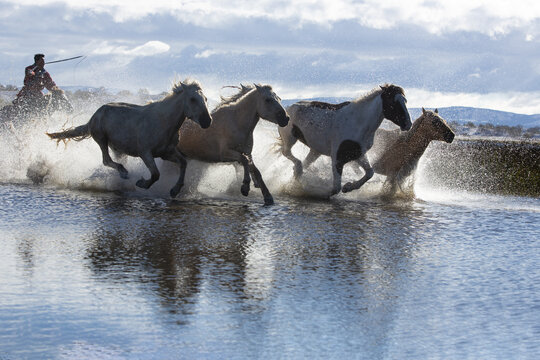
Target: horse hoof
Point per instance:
(124, 176)
(142, 184)
(245, 189)
(348, 187)
(269, 201)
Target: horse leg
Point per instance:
(245, 182)
(368, 170)
(178, 158)
(257, 177)
(337, 170)
(107, 161)
(310, 158)
(148, 160)
(287, 142)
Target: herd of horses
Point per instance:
(344, 132)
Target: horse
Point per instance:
(343, 131)
(230, 137)
(53, 101)
(146, 131)
(56, 100)
(396, 155)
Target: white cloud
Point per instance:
(492, 17)
(148, 49)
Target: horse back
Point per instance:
(132, 129)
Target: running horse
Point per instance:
(343, 131)
(230, 137)
(396, 155)
(53, 101)
(145, 131)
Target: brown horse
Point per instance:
(396, 154)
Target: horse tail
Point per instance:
(277, 145)
(78, 133)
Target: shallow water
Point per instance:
(104, 275)
(96, 269)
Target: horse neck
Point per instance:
(373, 108)
(173, 107)
(417, 138)
(246, 111)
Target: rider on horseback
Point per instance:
(36, 78)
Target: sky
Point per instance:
(443, 53)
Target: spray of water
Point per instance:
(29, 156)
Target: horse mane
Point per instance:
(419, 121)
(243, 90)
(387, 88)
(178, 87)
(328, 106)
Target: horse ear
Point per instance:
(436, 111)
(423, 110)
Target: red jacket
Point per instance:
(35, 80)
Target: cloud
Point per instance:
(491, 17)
(148, 49)
(301, 47)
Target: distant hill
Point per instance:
(477, 116)
(460, 114)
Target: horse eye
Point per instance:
(192, 100)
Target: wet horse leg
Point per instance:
(148, 160)
(288, 140)
(107, 161)
(245, 182)
(310, 158)
(257, 177)
(178, 158)
(364, 163)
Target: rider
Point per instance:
(36, 78)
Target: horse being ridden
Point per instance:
(344, 131)
(55, 100)
(396, 154)
(147, 131)
(230, 137)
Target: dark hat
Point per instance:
(38, 56)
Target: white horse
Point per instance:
(147, 131)
(230, 137)
(344, 131)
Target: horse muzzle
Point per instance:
(449, 137)
(283, 119)
(205, 121)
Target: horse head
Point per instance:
(59, 102)
(269, 106)
(394, 106)
(195, 103)
(435, 127)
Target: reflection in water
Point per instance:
(263, 261)
(122, 277)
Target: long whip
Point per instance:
(72, 58)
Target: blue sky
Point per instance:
(469, 53)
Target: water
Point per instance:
(93, 268)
